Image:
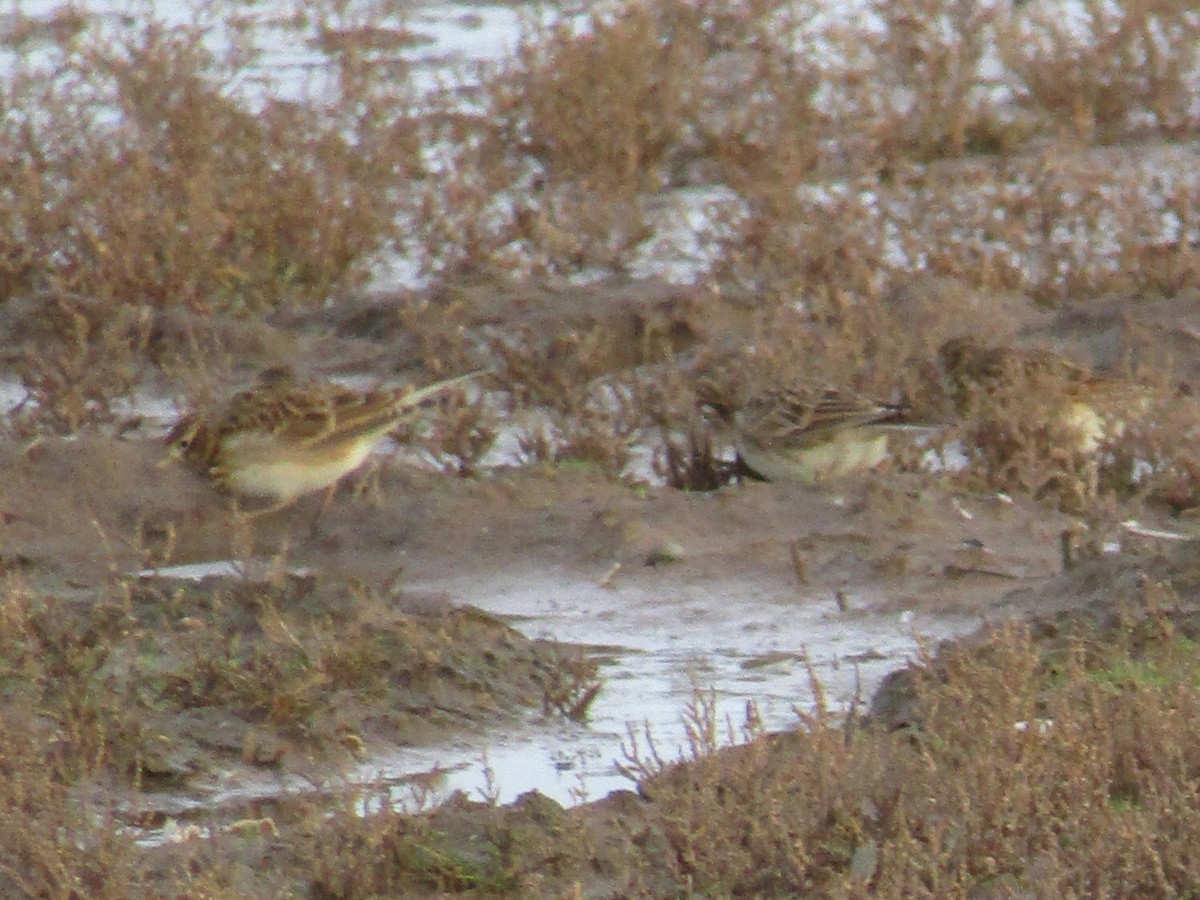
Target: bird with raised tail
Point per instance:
(285, 437)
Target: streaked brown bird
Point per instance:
(808, 434)
(284, 437)
(1087, 406)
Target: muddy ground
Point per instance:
(81, 516)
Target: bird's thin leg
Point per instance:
(1092, 477)
(366, 484)
(242, 537)
(314, 528)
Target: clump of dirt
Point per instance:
(175, 681)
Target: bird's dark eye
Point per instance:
(182, 435)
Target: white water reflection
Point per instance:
(748, 644)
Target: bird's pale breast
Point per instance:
(260, 465)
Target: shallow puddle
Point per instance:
(744, 643)
(747, 646)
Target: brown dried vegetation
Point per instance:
(880, 194)
(1072, 770)
(132, 674)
